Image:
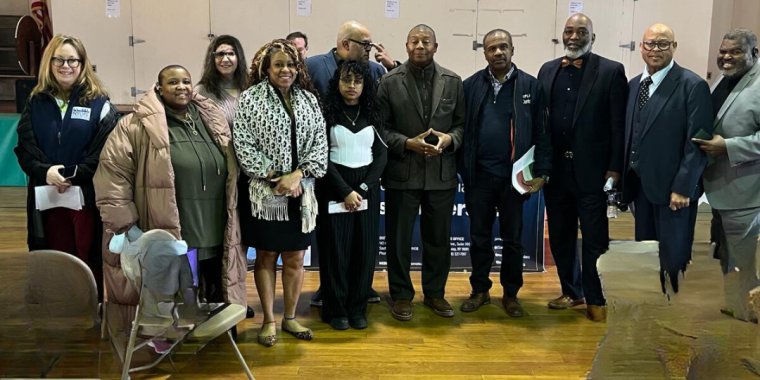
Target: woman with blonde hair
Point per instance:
(281, 144)
(62, 130)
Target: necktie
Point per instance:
(644, 92)
(577, 63)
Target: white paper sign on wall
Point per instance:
(303, 8)
(113, 8)
(576, 7)
(391, 8)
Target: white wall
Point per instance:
(14, 7)
(698, 25)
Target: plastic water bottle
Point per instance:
(612, 204)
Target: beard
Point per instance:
(740, 67)
(576, 53)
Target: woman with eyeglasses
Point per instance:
(349, 196)
(280, 142)
(223, 80)
(65, 123)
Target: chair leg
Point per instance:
(103, 321)
(240, 356)
(131, 345)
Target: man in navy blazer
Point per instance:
(668, 105)
(587, 98)
(354, 43)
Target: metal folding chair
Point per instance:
(170, 306)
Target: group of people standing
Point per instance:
(257, 157)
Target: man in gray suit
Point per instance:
(423, 108)
(732, 176)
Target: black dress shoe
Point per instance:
(373, 296)
(249, 313)
(316, 298)
(339, 323)
(359, 323)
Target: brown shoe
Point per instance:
(402, 310)
(597, 313)
(439, 306)
(512, 306)
(565, 302)
(475, 301)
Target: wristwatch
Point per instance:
(546, 178)
(364, 187)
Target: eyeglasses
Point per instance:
(348, 81)
(662, 45)
(366, 45)
(221, 54)
(58, 62)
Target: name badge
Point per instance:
(81, 113)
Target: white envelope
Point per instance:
(338, 208)
(47, 197)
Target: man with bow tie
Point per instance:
(587, 96)
(668, 105)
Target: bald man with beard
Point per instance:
(668, 105)
(587, 96)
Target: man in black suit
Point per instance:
(422, 105)
(668, 105)
(587, 97)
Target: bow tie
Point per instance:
(577, 63)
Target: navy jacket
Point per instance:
(598, 127)
(531, 118)
(81, 143)
(322, 68)
(669, 162)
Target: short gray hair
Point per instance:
(746, 36)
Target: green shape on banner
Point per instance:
(12, 174)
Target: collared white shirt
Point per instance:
(495, 82)
(656, 77)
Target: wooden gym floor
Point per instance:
(485, 345)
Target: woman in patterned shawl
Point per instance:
(280, 140)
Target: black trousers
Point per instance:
(566, 204)
(674, 230)
(401, 210)
(349, 245)
(483, 197)
(210, 273)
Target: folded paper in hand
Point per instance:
(338, 208)
(521, 171)
(47, 197)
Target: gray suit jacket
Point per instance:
(733, 181)
(401, 109)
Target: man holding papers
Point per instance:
(587, 95)
(506, 117)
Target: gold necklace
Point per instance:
(190, 124)
(353, 122)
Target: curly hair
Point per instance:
(211, 79)
(367, 100)
(263, 60)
